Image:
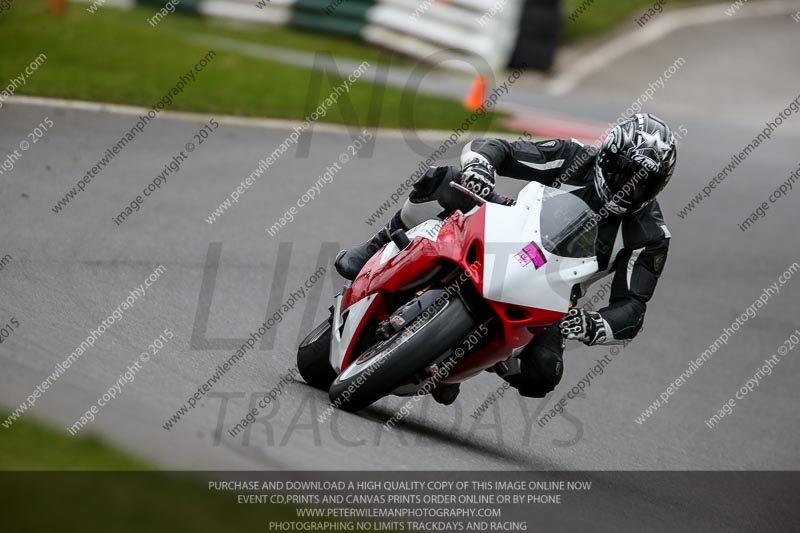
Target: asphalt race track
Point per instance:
(69, 271)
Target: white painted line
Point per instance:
(229, 120)
(659, 28)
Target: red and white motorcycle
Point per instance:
(450, 299)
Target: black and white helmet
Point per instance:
(635, 163)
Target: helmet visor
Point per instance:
(629, 182)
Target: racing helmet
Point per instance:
(635, 163)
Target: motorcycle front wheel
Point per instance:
(313, 358)
(390, 363)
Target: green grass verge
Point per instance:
(601, 16)
(115, 56)
(29, 445)
(119, 501)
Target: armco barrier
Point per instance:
(502, 33)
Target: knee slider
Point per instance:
(545, 366)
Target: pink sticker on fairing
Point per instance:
(523, 258)
(535, 254)
(531, 254)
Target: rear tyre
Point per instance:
(313, 358)
(389, 364)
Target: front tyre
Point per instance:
(313, 358)
(390, 363)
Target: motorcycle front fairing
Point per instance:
(535, 252)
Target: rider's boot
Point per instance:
(446, 394)
(350, 262)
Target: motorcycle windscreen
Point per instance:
(568, 226)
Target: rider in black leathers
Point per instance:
(619, 182)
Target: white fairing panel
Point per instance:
(509, 275)
(342, 337)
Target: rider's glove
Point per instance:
(479, 177)
(585, 326)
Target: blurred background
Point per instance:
(124, 51)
